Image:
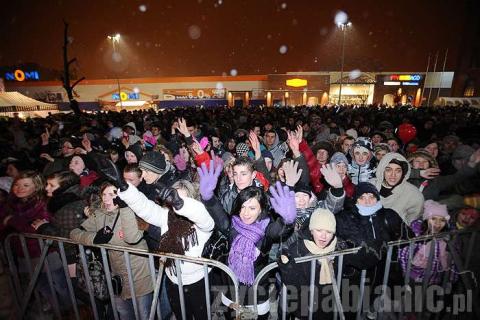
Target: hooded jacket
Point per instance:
(278, 150)
(132, 138)
(405, 198)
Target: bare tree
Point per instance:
(66, 72)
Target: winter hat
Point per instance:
(153, 161)
(432, 208)
(323, 145)
(136, 149)
(422, 154)
(352, 133)
(385, 125)
(364, 142)
(6, 184)
(381, 146)
(462, 152)
(242, 148)
(365, 187)
(472, 201)
(267, 154)
(323, 219)
(338, 157)
(303, 188)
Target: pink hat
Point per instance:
(435, 209)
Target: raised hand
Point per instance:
(292, 173)
(283, 202)
(182, 127)
(87, 144)
(208, 179)
(255, 143)
(293, 143)
(196, 147)
(110, 171)
(299, 133)
(474, 159)
(169, 196)
(429, 173)
(331, 176)
(45, 137)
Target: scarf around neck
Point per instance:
(243, 251)
(325, 271)
(368, 211)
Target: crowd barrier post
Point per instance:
(22, 297)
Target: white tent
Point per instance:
(11, 102)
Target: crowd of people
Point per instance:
(272, 184)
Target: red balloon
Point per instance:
(406, 132)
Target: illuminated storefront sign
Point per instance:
(126, 96)
(404, 77)
(391, 83)
(407, 83)
(296, 82)
(20, 75)
(194, 94)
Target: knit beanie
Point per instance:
(241, 149)
(267, 154)
(323, 219)
(365, 187)
(363, 142)
(153, 161)
(434, 209)
(136, 149)
(352, 133)
(338, 157)
(304, 188)
(472, 201)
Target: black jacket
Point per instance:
(276, 231)
(371, 232)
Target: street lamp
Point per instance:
(116, 39)
(343, 26)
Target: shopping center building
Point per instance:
(292, 88)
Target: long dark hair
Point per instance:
(247, 194)
(65, 179)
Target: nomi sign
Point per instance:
(405, 77)
(20, 75)
(126, 96)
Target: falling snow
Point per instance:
(340, 17)
(284, 6)
(283, 49)
(233, 72)
(354, 74)
(142, 8)
(194, 32)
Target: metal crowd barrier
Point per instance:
(22, 297)
(462, 261)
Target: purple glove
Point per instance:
(283, 202)
(208, 179)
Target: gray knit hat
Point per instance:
(338, 157)
(153, 161)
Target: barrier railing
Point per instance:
(23, 296)
(460, 244)
(460, 255)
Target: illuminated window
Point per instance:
(469, 91)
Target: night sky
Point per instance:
(206, 37)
